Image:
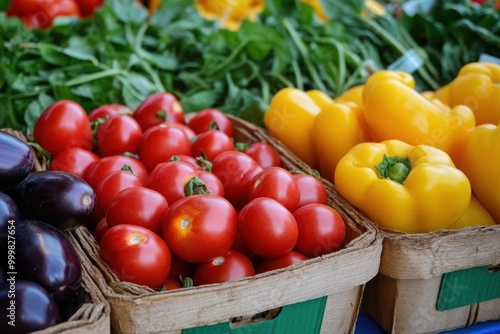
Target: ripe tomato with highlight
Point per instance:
(136, 255)
(228, 267)
(199, 228)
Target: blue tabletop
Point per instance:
(366, 325)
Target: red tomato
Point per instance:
(171, 284)
(214, 185)
(136, 254)
(311, 190)
(100, 229)
(321, 230)
(108, 110)
(158, 108)
(209, 119)
(231, 266)
(41, 13)
(265, 155)
(137, 206)
(119, 134)
(74, 160)
(199, 228)
(276, 183)
(112, 184)
(211, 143)
(284, 261)
(187, 158)
(241, 246)
(267, 227)
(62, 125)
(179, 268)
(170, 178)
(106, 165)
(236, 171)
(87, 7)
(186, 129)
(160, 142)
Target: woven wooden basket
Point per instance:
(93, 313)
(340, 276)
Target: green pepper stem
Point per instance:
(394, 168)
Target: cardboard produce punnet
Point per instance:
(435, 282)
(320, 295)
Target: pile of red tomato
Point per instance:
(42, 13)
(180, 198)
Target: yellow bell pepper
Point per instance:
(290, 119)
(230, 13)
(481, 164)
(395, 110)
(319, 97)
(337, 128)
(477, 86)
(353, 94)
(442, 94)
(412, 189)
(475, 215)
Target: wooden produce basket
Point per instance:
(435, 282)
(92, 312)
(320, 295)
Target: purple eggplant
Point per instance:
(16, 160)
(26, 307)
(9, 214)
(45, 255)
(57, 198)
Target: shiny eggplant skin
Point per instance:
(57, 198)
(8, 212)
(26, 305)
(16, 160)
(45, 255)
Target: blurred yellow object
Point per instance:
(318, 9)
(230, 13)
(374, 7)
